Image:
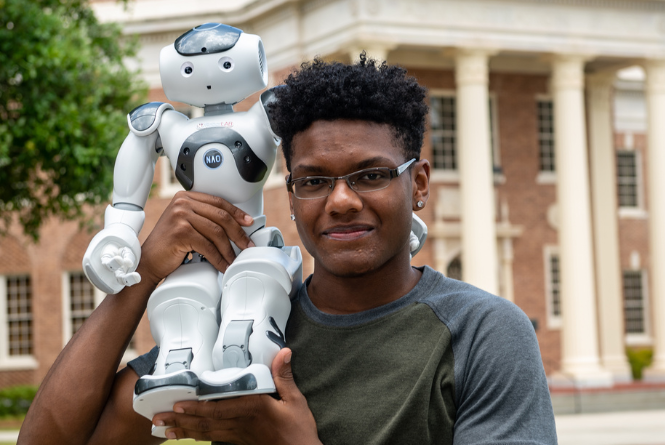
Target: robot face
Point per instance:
(213, 64)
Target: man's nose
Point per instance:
(343, 199)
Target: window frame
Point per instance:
(639, 210)
(553, 321)
(452, 175)
(545, 176)
(13, 362)
(642, 338)
(67, 312)
(441, 174)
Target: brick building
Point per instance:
(542, 135)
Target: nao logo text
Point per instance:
(213, 158)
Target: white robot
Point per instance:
(217, 333)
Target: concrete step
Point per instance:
(625, 397)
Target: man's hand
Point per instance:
(194, 221)
(258, 419)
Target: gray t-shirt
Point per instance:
(445, 364)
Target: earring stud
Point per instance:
(420, 204)
(293, 217)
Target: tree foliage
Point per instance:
(64, 95)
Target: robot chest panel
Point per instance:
(218, 155)
(219, 169)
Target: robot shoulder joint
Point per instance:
(267, 98)
(145, 119)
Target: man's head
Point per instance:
(366, 91)
(335, 120)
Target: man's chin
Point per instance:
(347, 269)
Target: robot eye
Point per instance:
(187, 69)
(226, 64)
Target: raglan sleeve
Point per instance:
(501, 390)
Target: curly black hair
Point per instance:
(366, 90)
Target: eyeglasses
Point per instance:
(368, 180)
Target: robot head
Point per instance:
(213, 64)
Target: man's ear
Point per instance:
(420, 175)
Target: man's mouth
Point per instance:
(347, 233)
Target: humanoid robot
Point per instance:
(217, 333)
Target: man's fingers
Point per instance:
(283, 376)
(213, 238)
(239, 215)
(226, 221)
(200, 426)
(210, 250)
(220, 410)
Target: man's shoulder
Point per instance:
(458, 304)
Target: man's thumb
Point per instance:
(282, 374)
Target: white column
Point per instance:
(578, 297)
(479, 251)
(655, 89)
(605, 227)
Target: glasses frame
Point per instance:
(394, 173)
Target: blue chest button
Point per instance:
(213, 158)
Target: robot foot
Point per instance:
(234, 382)
(158, 394)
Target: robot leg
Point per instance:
(256, 303)
(184, 323)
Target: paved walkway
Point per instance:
(618, 428)
(8, 436)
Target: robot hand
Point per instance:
(113, 254)
(121, 260)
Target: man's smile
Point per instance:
(348, 232)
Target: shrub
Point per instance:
(639, 359)
(15, 400)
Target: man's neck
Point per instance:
(348, 295)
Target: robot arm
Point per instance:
(114, 253)
(135, 164)
(418, 234)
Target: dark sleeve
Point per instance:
(143, 364)
(501, 390)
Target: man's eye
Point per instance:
(314, 182)
(372, 176)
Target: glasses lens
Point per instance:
(314, 187)
(371, 179)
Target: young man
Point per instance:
(379, 352)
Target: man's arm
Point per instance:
(501, 389)
(82, 399)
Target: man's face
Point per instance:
(350, 233)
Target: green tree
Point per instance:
(64, 96)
